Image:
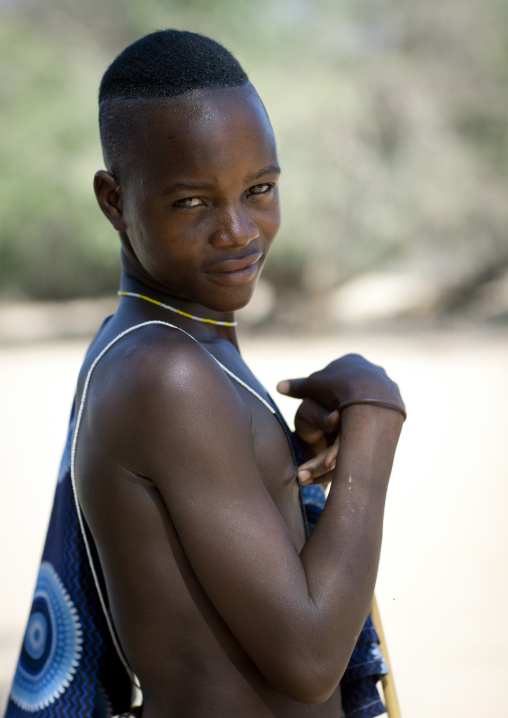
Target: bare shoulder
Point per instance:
(149, 363)
(157, 387)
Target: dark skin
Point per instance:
(185, 479)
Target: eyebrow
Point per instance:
(187, 186)
(270, 169)
(196, 186)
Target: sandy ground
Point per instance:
(443, 577)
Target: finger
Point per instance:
(315, 425)
(323, 462)
(324, 480)
(312, 421)
(297, 388)
(318, 468)
(311, 414)
(332, 423)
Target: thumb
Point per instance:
(297, 388)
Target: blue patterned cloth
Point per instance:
(69, 667)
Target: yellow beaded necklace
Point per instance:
(177, 311)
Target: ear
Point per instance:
(109, 197)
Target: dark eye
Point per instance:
(189, 202)
(261, 188)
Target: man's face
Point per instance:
(200, 201)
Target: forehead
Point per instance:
(202, 127)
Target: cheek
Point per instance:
(272, 223)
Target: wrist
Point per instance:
(370, 420)
(378, 403)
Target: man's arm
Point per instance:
(297, 616)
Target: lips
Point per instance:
(235, 270)
(235, 264)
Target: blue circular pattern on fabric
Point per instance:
(36, 634)
(52, 645)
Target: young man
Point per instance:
(191, 530)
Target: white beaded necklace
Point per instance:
(177, 311)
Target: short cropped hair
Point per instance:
(163, 64)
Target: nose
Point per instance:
(234, 227)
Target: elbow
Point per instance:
(308, 681)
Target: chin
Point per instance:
(234, 303)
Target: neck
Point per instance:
(202, 330)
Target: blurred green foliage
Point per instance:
(391, 120)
